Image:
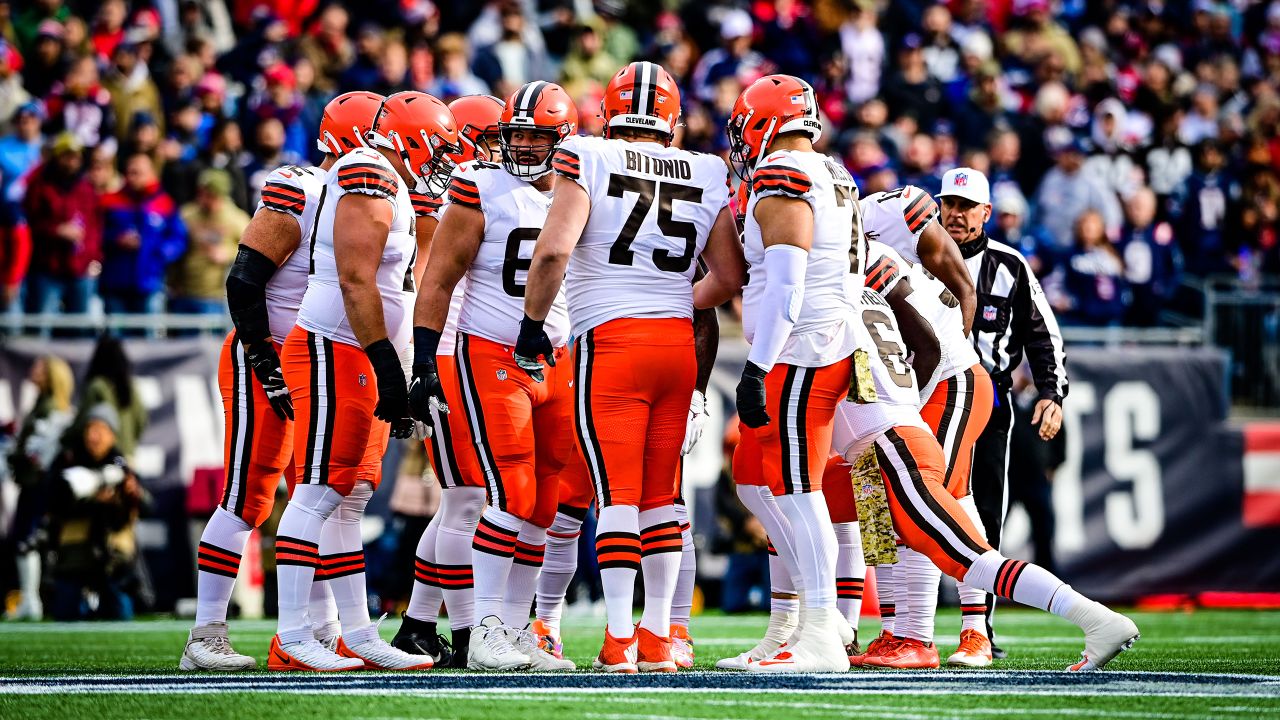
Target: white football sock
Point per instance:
(1023, 582)
(761, 502)
(460, 507)
(493, 550)
(558, 567)
(218, 559)
(298, 555)
(682, 601)
(973, 601)
(618, 554)
(886, 582)
(815, 546)
(424, 601)
(916, 588)
(342, 553)
(522, 582)
(851, 571)
(782, 591)
(661, 546)
(322, 611)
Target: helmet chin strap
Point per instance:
(766, 138)
(419, 182)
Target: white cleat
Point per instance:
(1107, 633)
(328, 635)
(526, 643)
(818, 648)
(378, 654)
(490, 648)
(209, 649)
(781, 625)
(308, 656)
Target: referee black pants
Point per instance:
(990, 479)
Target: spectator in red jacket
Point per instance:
(62, 211)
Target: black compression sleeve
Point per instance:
(246, 295)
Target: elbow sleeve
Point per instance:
(246, 294)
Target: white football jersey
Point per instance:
(296, 192)
(823, 331)
(858, 425)
(652, 208)
(514, 213)
(897, 217)
(425, 206)
(364, 171)
(935, 304)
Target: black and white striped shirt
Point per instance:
(1014, 317)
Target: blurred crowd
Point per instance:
(1131, 145)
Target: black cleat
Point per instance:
(420, 638)
(998, 653)
(461, 641)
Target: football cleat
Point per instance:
(209, 649)
(781, 625)
(681, 646)
(417, 637)
(461, 647)
(491, 649)
(616, 656)
(974, 650)
(328, 635)
(854, 651)
(378, 654)
(1106, 634)
(818, 648)
(877, 646)
(548, 638)
(309, 656)
(653, 653)
(524, 641)
(905, 654)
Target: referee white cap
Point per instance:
(966, 183)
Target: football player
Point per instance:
(928, 518)
(442, 568)
(516, 418)
(264, 289)
(799, 318)
(344, 370)
(634, 214)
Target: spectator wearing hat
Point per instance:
(131, 89)
(62, 211)
(79, 104)
(45, 59)
(910, 89)
(214, 226)
(20, 151)
(734, 57)
(12, 94)
(280, 100)
(95, 500)
(1110, 162)
(1152, 259)
(142, 235)
(1066, 192)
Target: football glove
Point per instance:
(531, 343)
(697, 420)
(751, 396)
(393, 396)
(266, 367)
(425, 391)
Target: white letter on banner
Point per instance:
(149, 458)
(199, 431)
(1135, 518)
(1068, 491)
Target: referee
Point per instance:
(1012, 318)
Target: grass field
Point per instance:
(1222, 664)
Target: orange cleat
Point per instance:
(974, 650)
(875, 648)
(653, 653)
(617, 656)
(548, 639)
(308, 656)
(906, 654)
(681, 646)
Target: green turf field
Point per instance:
(1202, 664)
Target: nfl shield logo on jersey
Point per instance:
(988, 313)
(502, 374)
(363, 380)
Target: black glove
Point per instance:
(424, 388)
(393, 396)
(266, 367)
(751, 398)
(531, 343)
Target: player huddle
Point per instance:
(541, 306)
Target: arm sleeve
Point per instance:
(1037, 329)
(781, 175)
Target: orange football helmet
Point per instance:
(346, 120)
(538, 105)
(772, 105)
(476, 117)
(421, 130)
(642, 96)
